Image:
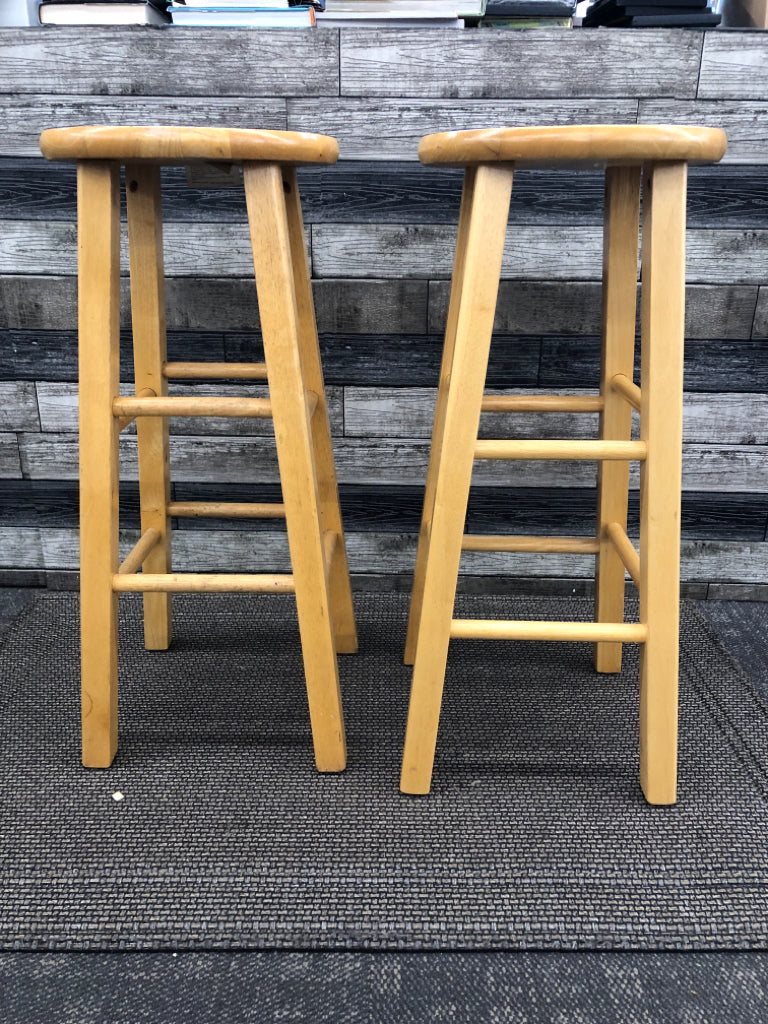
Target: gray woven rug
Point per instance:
(535, 835)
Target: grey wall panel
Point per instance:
(468, 65)
(734, 65)
(744, 122)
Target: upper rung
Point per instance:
(567, 450)
(215, 371)
(196, 405)
(542, 403)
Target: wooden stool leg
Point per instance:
(422, 553)
(661, 425)
(620, 237)
(476, 304)
(98, 203)
(340, 589)
(271, 242)
(145, 235)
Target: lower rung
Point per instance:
(212, 583)
(593, 632)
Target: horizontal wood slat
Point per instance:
(745, 123)
(382, 462)
(10, 460)
(207, 583)
(497, 629)
(734, 65)
(128, 61)
(526, 65)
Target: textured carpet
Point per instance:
(535, 836)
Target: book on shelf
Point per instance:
(121, 12)
(525, 23)
(650, 13)
(250, 4)
(530, 8)
(426, 9)
(217, 16)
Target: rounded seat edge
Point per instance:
(183, 145)
(575, 144)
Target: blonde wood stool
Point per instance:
(659, 156)
(296, 403)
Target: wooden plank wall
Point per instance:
(380, 233)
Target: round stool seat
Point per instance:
(575, 144)
(175, 145)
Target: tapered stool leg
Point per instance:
(340, 590)
(422, 553)
(145, 235)
(273, 264)
(475, 309)
(98, 204)
(620, 238)
(661, 418)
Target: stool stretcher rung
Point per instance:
(591, 632)
(197, 405)
(542, 403)
(138, 554)
(126, 421)
(207, 583)
(227, 509)
(566, 450)
(625, 549)
(627, 388)
(215, 371)
(545, 545)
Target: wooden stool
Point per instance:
(296, 403)
(489, 158)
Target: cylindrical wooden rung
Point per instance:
(542, 403)
(137, 556)
(625, 550)
(208, 583)
(627, 389)
(126, 421)
(228, 509)
(592, 632)
(567, 450)
(197, 405)
(545, 545)
(215, 371)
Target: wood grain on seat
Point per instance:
(575, 144)
(174, 145)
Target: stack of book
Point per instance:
(108, 12)
(521, 14)
(399, 13)
(648, 13)
(245, 13)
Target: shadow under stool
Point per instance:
(296, 404)
(651, 159)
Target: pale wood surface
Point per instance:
(494, 629)
(198, 405)
(136, 557)
(582, 450)
(574, 144)
(169, 144)
(234, 509)
(625, 550)
(744, 121)
(145, 234)
(337, 571)
(478, 264)
(215, 371)
(620, 241)
(274, 254)
(549, 545)
(204, 583)
(98, 249)
(661, 416)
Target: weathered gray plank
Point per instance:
(745, 123)
(390, 129)
(18, 406)
(36, 303)
(10, 464)
(128, 61)
(760, 325)
(573, 307)
(20, 547)
(233, 551)
(734, 65)
(741, 419)
(568, 253)
(523, 65)
(22, 118)
(385, 461)
(58, 409)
